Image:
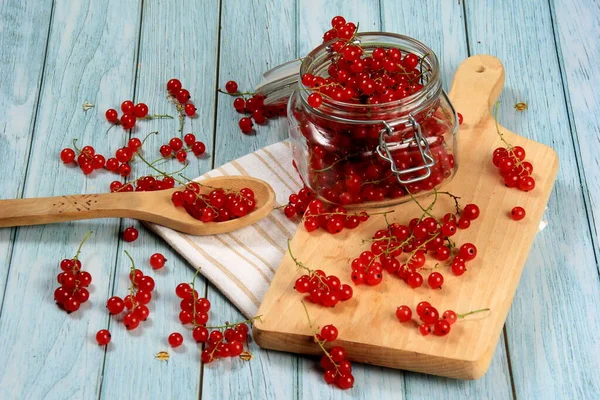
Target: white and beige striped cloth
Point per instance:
(241, 264)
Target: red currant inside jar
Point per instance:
(381, 130)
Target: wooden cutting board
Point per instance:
(369, 330)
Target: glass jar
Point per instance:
(374, 153)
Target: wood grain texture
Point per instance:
(23, 41)
(577, 52)
(47, 352)
(255, 36)
(178, 40)
(447, 38)
(375, 337)
(553, 325)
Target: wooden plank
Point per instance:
(448, 41)
(177, 41)
(255, 37)
(23, 43)
(578, 56)
(552, 326)
(47, 352)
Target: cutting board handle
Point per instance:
(476, 87)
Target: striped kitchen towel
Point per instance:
(241, 264)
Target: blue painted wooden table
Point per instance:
(57, 55)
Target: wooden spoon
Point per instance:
(153, 207)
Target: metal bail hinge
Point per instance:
(385, 151)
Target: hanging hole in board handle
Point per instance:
(480, 69)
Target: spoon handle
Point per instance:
(46, 210)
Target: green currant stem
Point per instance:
(181, 122)
(87, 105)
(131, 285)
(299, 264)
(86, 237)
(228, 325)
(509, 146)
(472, 312)
(157, 116)
(335, 162)
(112, 125)
(236, 94)
(455, 198)
(147, 136)
(426, 211)
(376, 181)
(318, 341)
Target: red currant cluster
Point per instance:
(73, 281)
(147, 183)
(337, 368)
(175, 147)
(510, 161)
(384, 76)
(430, 318)
(131, 113)
(87, 159)
(222, 341)
(516, 172)
(140, 294)
(181, 97)
(315, 214)
(253, 106)
(322, 289)
(422, 236)
(219, 205)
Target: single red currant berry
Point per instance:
(174, 85)
(182, 290)
(239, 104)
(71, 304)
(329, 376)
(112, 164)
(165, 150)
(198, 148)
(175, 339)
(231, 87)
(183, 96)
(414, 280)
(128, 121)
(345, 381)
(337, 354)
(315, 100)
(467, 251)
(103, 337)
(458, 268)
(526, 183)
(189, 139)
(130, 234)
(329, 333)
(424, 329)
(470, 212)
(517, 213)
(430, 315)
(124, 169)
(403, 313)
(112, 115)
(140, 110)
(67, 156)
(245, 125)
(85, 278)
(141, 312)
(441, 328)
(127, 106)
(130, 321)
(181, 155)
(435, 280)
(190, 110)
(450, 316)
(157, 261)
(421, 307)
(146, 283)
(464, 223)
(123, 154)
(134, 144)
(143, 297)
(200, 334)
(176, 144)
(460, 118)
(338, 21)
(115, 305)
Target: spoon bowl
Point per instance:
(155, 207)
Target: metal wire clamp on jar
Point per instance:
(403, 146)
